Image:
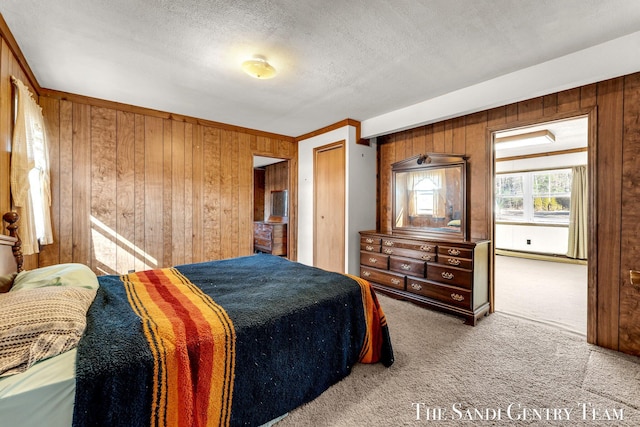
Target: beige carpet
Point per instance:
(544, 291)
(445, 365)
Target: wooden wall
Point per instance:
(258, 194)
(614, 157)
(136, 188)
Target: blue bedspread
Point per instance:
(298, 330)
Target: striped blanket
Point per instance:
(233, 342)
(193, 344)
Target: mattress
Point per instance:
(41, 396)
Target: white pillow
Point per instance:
(36, 324)
(72, 274)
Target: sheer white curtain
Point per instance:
(578, 214)
(30, 183)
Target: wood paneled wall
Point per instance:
(136, 188)
(258, 194)
(614, 156)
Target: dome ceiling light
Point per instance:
(259, 68)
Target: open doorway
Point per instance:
(270, 205)
(540, 223)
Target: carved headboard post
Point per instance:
(12, 219)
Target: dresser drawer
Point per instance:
(406, 244)
(410, 253)
(454, 261)
(374, 260)
(409, 266)
(456, 252)
(370, 247)
(262, 242)
(449, 275)
(447, 294)
(369, 240)
(262, 233)
(383, 277)
(259, 227)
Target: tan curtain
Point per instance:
(30, 183)
(412, 207)
(578, 214)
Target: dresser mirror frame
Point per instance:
(443, 188)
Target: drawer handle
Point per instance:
(426, 248)
(369, 240)
(366, 273)
(453, 252)
(457, 297)
(395, 281)
(406, 267)
(388, 243)
(416, 286)
(454, 261)
(369, 248)
(373, 260)
(447, 275)
(388, 251)
(426, 257)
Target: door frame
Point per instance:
(291, 203)
(592, 225)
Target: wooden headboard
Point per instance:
(10, 246)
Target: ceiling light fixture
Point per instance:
(525, 140)
(258, 67)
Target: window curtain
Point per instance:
(437, 178)
(412, 180)
(578, 214)
(30, 182)
(439, 199)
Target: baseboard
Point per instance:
(540, 257)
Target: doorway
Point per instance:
(540, 221)
(271, 204)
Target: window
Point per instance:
(424, 202)
(425, 191)
(534, 197)
(510, 197)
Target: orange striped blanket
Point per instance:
(193, 344)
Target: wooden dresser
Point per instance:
(449, 275)
(270, 237)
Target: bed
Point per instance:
(230, 342)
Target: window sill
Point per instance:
(533, 224)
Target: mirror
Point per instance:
(279, 204)
(430, 195)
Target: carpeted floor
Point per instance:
(467, 374)
(544, 291)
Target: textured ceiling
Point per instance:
(336, 59)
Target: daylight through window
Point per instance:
(535, 197)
